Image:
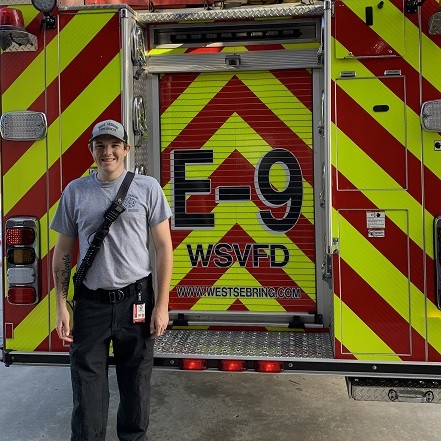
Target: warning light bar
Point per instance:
(232, 365)
(20, 236)
(193, 364)
(269, 366)
(22, 295)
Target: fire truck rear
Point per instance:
(299, 146)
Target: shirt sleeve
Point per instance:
(63, 221)
(159, 207)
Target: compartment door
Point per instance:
(237, 167)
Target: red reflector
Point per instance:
(22, 295)
(233, 365)
(193, 364)
(269, 366)
(20, 236)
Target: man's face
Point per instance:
(109, 153)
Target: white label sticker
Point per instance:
(375, 219)
(376, 233)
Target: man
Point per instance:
(115, 302)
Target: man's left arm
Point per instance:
(164, 266)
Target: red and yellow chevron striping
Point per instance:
(75, 80)
(384, 289)
(238, 119)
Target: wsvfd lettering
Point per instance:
(225, 254)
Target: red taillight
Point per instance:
(193, 364)
(269, 366)
(20, 236)
(22, 295)
(11, 17)
(232, 365)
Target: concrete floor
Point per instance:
(188, 406)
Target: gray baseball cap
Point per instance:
(109, 127)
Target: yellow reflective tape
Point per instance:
(357, 337)
(347, 154)
(95, 98)
(189, 103)
(281, 102)
(224, 222)
(167, 51)
(206, 304)
(385, 279)
(230, 278)
(29, 12)
(378, 89)
(74, 37)
(374, 268)
(405, 39)
(32, 330)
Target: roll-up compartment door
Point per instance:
(237, 168)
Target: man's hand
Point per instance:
(63, 325)
(159, 321)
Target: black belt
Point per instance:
(112, 296)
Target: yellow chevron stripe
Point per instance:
(404, 40)
(431, 158)
(348, 154)
(29, 12)
(74, 37)
(179, 114)
(247, 217)
(281, 102)
(386, 279)
(359, 339)
(233, 49)
(230, 278)
(89, 104)
(37, 321)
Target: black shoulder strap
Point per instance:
(111, 214)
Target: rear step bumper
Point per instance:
(299, 352)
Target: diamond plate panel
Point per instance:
(243, 344)
(388, 389)
(243, 12)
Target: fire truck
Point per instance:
(299, 146)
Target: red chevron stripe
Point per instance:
(374, 139)
(76, 161)
(237, 170)
(33, 202)
(72, 81)
(172, 86)
(366, 37)
(264, 274)
(354, 200)
(13, 64)
(298, 82)
(429, 8)
(220, 108)
(357, 200)
(378, 315)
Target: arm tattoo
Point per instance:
(65, 275)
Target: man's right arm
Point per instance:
(61, 267)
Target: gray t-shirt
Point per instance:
(123, 257)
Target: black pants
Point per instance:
(95, 326)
